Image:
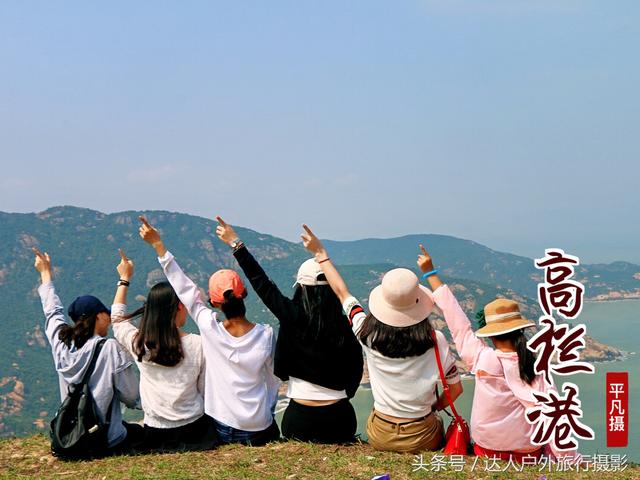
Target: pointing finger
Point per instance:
(144, 220)
(122, 255)
(424, 251)
(307, 229)
(221, 221)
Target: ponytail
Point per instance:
(78, 334)
(526, 358)
(232, 307)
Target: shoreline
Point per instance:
(612, 300)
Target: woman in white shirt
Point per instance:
(171, 365)
(240, 389)
(397, 339)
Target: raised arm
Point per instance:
(125, 271)
(468, 345)
(123, 330)
(314, 245)
(281, 306)
(185, 288)
(51, 304)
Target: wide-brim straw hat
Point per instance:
(400, 301)
(502, 316)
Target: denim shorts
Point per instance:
(227, 434)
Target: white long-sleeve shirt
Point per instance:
(240, 387)
(171, 396)
(403, 387)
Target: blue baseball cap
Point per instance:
(85, 306)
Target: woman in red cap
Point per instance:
(240, 388)
(171, 366)
(316, 350)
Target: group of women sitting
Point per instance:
(221, 386)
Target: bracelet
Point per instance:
(238, 245)
(123, 283)
(432, 272)
(325, 260)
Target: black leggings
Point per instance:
(335, 423)
(197, 435)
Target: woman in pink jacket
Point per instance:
(505, 377)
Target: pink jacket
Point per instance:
(500, 399)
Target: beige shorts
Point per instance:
(416, 436)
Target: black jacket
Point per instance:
(319, 362)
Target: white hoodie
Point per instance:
(113, 379)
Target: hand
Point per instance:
(125, 267)
(424, 261)
(225, 232)
(148, 233)
(313, 243)
(151, 235)
(42, 264)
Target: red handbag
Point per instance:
(458, 437)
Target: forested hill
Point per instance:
(469, 260)
(83, 245)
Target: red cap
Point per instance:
(224, 280)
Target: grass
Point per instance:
(30, 458)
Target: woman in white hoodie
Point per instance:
(113, 379)
(240, 388)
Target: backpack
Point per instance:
(76, 430)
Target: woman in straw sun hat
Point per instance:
(397, 338)
(504, 375)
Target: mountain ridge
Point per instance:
(83, 244)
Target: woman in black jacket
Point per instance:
(316, 350)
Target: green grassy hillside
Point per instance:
(30, 458)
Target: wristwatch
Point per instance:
(235, 243)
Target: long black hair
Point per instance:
(396, 342)
(158, 336)
(324, 317)
(82, 330)
(526, 358)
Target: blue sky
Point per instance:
(513, 123)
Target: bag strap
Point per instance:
(445, 385)
(94, 360)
